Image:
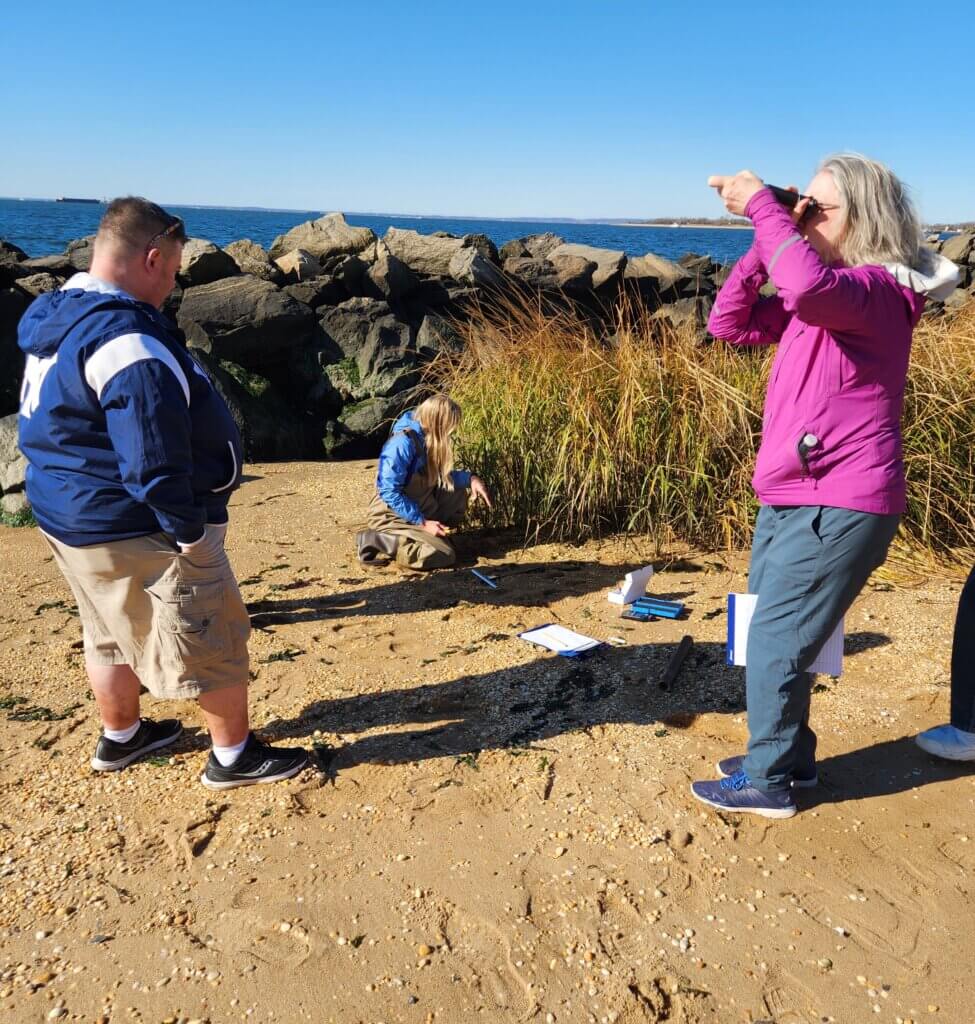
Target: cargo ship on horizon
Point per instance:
(73, 199)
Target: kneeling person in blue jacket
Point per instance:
(132, 456)
(419, 495)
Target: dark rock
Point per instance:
(484, 246)
(13, 252)
(437, 335)
(959, 248)
(513, 250)
(58, 264)
(80, 251)
(204, 263)
(298, 265)
(350, 272)
(14, 503)
(426, 254)
(362, 428)
(567, 273)
(173, 301)
(11, 263)
(390, 278)
(609, 262)
(245, 320)
(379, 351)
(327, 236)
(13, 465)
(470, 268)
(690, 311)
(543, 245)
(320, 291)
(270, 426)
(530, 247)
(654, 279)
(37, 284)
(431, 293)
(348, 324)
(252, 258)
(12, 305)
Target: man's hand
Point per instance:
(736, 189)
(479, 492)
(433, 527)
(209, 549)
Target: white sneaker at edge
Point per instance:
(948, 742)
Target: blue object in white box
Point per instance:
(741, 608)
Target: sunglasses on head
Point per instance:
(174, 228)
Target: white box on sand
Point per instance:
(634, 586)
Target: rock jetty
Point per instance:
(316, 342)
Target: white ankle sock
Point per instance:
(227, 755)
(122, 735)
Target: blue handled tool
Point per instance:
(654, 606)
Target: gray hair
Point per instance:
(882, 223)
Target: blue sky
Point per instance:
(536, 108)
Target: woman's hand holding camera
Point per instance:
(736, 189)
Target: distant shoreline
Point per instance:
(699, 225)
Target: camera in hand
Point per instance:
(788, 198)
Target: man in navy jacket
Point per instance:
(132, 457)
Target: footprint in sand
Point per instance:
(788, 1001)
(486, 953)
(874, 922)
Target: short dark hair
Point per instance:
(134, 221)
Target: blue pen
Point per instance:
(485, 579)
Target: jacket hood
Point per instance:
(51, 316)
(935, 277)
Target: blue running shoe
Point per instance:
(948, 742)
(732, 765)
(738, 795)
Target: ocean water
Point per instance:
(43, 227)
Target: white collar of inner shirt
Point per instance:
(88, 283)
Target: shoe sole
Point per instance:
(280, 777)
(765, 812)
(115, 766)
(798, 783)
(943, 753)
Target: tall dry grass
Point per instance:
(655, 433)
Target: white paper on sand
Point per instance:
(741, 607)
(634, 586)
(559, 639)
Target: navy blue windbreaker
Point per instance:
(122, 430)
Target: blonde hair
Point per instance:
(882, 223)
(439, 416)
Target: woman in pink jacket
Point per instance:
(851, 278)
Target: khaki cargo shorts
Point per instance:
(181, 626)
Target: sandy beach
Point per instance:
(490, 832)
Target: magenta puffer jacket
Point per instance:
(831, 430)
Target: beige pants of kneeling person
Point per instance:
(181, 626)
(417, 549)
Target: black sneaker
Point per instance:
(111, 756)
(256, 764)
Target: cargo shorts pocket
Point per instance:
(189, 623)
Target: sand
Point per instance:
(491, 832)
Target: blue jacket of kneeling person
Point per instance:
(399, 460)
(122, 430)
